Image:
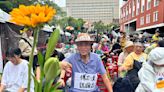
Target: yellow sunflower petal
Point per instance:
(32, 15)
(41, 17)
(24, 9)
(34, 19)
(31, 9)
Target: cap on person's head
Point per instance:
(13, 51)
(84, 37)
(128, 44)
(156, 56)
(161, 43)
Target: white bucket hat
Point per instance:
(84, 37)
(156, 56)
(128, 44)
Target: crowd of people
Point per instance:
(138, 58)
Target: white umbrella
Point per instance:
(67, 34)
(48, 28)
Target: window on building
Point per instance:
(133, 6)
(147, 18)
(130, 8)
(148, 4)
(142, 20)
(138, 7)
(142, 6)
(127, 12)
(124, 12)
(155, 16)
(156, 3)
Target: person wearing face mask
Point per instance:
(103, 46)
(85, 66)
(15, 74)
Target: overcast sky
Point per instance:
(62, 3)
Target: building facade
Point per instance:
(94, 10)
(142, 15)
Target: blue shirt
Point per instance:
(93, 66)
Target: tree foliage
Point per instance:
(70, 21)
(8, 5)
(101, 27)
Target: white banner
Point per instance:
(85, 81)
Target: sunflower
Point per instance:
(32, 15)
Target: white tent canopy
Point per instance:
(48, 28)
(4, 17)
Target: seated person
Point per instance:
(15, 74)
(137, 55)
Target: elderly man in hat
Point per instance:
(85, 66)
(127, 50)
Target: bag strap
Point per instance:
(27, 41)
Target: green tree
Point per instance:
(8, 5)
(70, 21)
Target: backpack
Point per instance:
(130, 82)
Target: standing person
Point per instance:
(15, 74)
(123, 39)
(25, 44)
(85, 66)
(116, 48)
(155, 37)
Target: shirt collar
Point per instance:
(91, 57)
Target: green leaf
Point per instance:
(51, 68)
(48, 86)
(40, 59)
(58, 91)
(52, 43)
(36, 83)
(55, 87)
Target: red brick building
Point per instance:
(142, 15)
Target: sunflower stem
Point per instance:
(36, 33)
